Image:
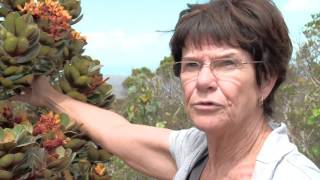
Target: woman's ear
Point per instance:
(267, 86)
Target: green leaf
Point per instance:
(64, 120)
(316, 150)
(60, 151)
(27, 140)
(311, 121)
(1, 134)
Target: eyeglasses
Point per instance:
(220, 68)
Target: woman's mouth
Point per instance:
(206, 106)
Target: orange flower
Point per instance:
(47, 123)
(76, 35)
(100, 169)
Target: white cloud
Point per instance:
(302, 5)
(120, 50)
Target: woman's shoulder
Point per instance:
(280, 159)
(185, 143)
(295, 165)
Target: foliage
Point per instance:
(155, 98)
(37, 38)
(299, 98)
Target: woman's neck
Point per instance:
(235, 149)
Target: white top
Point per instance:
(278, 158)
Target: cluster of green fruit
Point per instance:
(9, 160)
(10, 5)
(82, 80)
(35, 144)
(20, 37)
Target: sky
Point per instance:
(124, 34)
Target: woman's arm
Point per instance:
(144, 148)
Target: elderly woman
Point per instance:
(231, 56)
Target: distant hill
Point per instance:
(116, 82)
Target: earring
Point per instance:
(260, 101)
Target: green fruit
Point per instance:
(3, 33)
(55, 163)
(78, 96)
(23, 45)
(26, 80)
(45, 38)
(75, 143)
(66, 72)
(5, 175)
(20, 26)
(104, 155)
(30, 31)
(3, 66)
(75, 59)
(93, 154)
(19, 2)
(44, 50)
(82, 81)
(52, 52)
(66, 52)
(6, 160)
(3, 11)
(12, 60)
(9, 22)
(9, 34)
(7, 83)
(10, 44)
(20, 70)
(64, 85)
(75, 74)
(84, 67)
(11, 70)
(18, 157)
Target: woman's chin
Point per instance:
(209, 124)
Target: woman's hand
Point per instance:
(39, 93)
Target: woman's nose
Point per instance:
(206, 79)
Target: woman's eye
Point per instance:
(226, 63)
(190, 66)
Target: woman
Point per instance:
(231, 56)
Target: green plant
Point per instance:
(37, 38)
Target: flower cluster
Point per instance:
(54, 18)
(47, 122)
(50, 124)
(7, 113)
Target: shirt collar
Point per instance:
(276, 145)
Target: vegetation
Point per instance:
(298, 100)
(37, 38)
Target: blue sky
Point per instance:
(123, 34)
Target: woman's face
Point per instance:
(220, 99)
